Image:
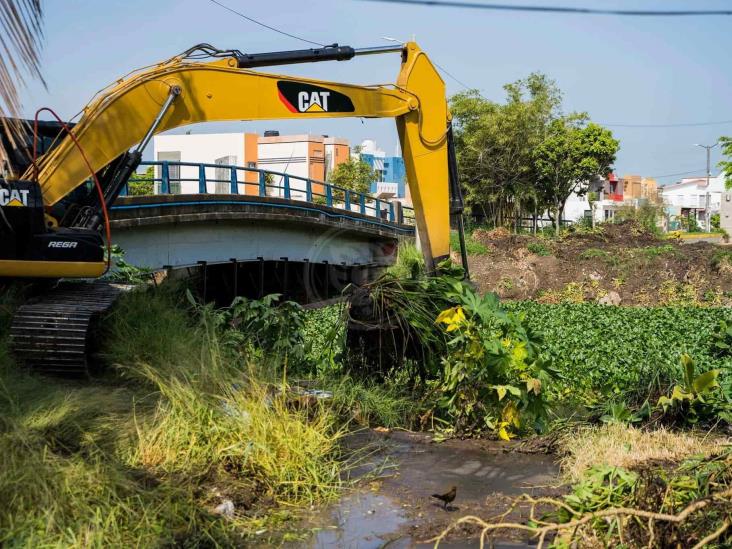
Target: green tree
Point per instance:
(726, 165)
(20, 34)
(354, 174)
(573, 151)
(141, 184)
(495, 143)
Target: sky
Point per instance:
(620, 70)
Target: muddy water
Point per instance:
(396, 510)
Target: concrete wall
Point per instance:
(186, 244)
(725, 212)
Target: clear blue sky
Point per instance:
(620, 70)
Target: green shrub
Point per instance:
(629, 351)
(594, 253)
(472, 246)
(409, 262)
(538, 248)
(721, 259)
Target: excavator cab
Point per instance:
(32, 245)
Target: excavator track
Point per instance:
(54, 333)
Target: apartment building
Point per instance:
(301, 156)
(218, 149)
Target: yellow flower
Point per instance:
(452, 317)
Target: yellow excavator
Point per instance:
(56, 192)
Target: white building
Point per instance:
(300, 156)
(691, 195)
(218, 149)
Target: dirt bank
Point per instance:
(622, 264)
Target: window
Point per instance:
(223, 174)
(173, 171)
(252, 165)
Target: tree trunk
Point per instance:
(592, 215)
(558, 219)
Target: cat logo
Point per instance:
(299, 97)
(14, 197)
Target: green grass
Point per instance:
(409, 261)
(721, 258)
(594, 253)
(473, 247)
(539, 248)
(134, 458)
(652, 252)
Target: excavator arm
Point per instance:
(183, 91)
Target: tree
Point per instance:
(573, 151)
(21, 32)
(495, 142)
(142, 184)
(354, 174)
(726, 165)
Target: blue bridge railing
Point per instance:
(171, 177)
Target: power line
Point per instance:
(463, 84)
(556, 9)
(675, 174)
(680, 125)
(251, 19)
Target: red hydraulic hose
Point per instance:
(105, 213)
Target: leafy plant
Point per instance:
(620, 412)
(593, 253)
(696, 397)
(722, 260)
(125, 272)
(722, 339)
(275, 328)
(602, 487)
(493, 375)
(538, 248)
(584, 339)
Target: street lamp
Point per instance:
(709, 175)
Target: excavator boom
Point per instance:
(226, 89)
(52, 229)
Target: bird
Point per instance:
(448, 497)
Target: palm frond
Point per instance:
(21, 33)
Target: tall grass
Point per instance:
(135, 458)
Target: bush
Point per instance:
(715, 221)
(647, 214)
(538, 248)
(472, 246)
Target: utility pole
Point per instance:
(707, 213)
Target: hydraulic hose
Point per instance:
(100, 191)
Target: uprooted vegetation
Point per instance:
(624, 259)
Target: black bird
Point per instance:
(447, 498)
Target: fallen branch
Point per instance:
(545, 528)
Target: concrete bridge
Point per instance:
(254, 231)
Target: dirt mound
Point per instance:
(624, 261)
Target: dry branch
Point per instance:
(543, 529)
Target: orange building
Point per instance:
(636, 187)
